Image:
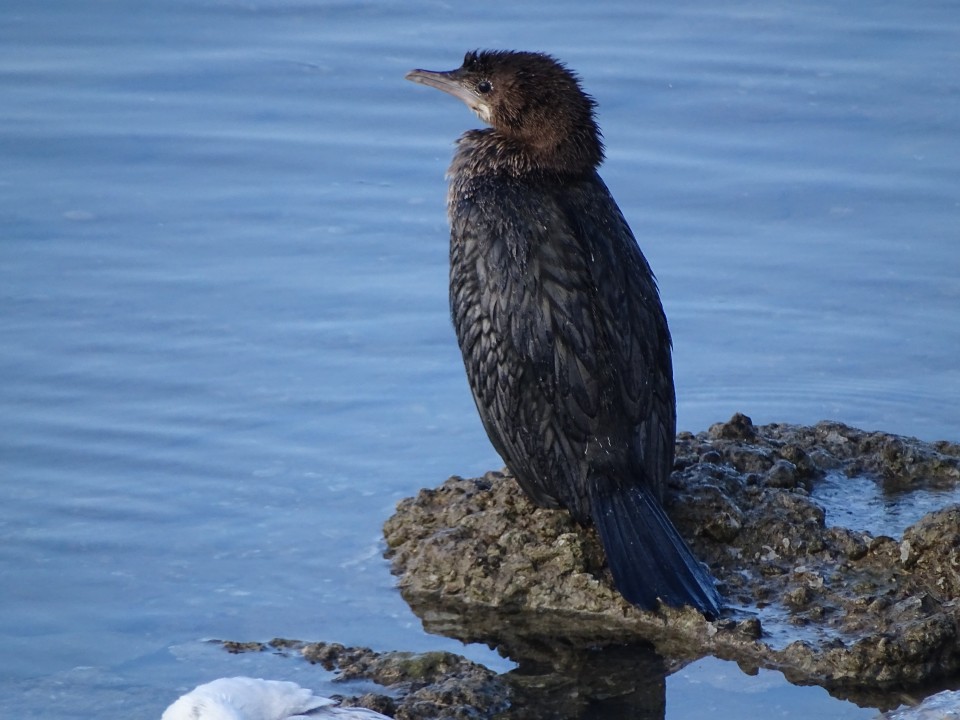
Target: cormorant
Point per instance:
(559, 319)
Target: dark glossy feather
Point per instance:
(558, 317)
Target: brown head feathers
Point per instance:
(541, 118)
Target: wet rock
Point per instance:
(739, 427)
(623, 681)
(416, 686)
(931, 548)
(782, 474)
(826, 602)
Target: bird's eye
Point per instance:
(484, 86)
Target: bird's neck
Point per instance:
(484, 152)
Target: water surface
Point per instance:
(223, 295)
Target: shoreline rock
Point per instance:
(416, 686)
(822, 601)
(613, 682)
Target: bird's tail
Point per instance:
(648, 558)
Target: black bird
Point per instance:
(559, 320)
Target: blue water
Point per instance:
(226, 351)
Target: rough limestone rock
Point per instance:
(415, 686)
(837, 550)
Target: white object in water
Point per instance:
(942, 706)
(244, 698)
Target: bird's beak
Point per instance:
(450, 83)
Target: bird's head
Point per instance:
(530, 98)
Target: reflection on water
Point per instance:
(618, 683)
(223, 266)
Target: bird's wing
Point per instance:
(631, 330)
(505, 326)
(559, 316)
